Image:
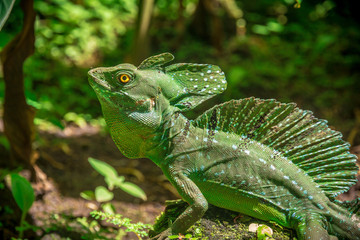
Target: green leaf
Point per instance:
(275, 26)
(83, 222)
(133, 190)
(22, 191)
(5, 9)
(88, 195)
(102, 194)
(110, 174)
(260, 29)
(103, 168)
(108, 208)
(173, 237)
(111, 181)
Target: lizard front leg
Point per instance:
(197, 204)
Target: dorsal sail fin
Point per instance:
(305, 140)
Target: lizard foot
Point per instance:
(163, 235)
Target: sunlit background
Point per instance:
(268, 49)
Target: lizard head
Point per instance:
(135, 99)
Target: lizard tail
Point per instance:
(345, 218)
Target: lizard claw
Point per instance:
(163, 235)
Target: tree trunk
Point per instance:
(179, 26)
(18, 116)
(207, 23)
(142, 45)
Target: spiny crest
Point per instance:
(193, 83)
(305, 140)
(200, 81)
(200, 78)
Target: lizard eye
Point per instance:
(124, 78)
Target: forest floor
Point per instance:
(63, 171)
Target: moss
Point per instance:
(217, 223)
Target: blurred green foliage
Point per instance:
(77, 33)
(269, 49)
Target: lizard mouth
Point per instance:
(96, 81)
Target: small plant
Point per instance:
(183, 237)
(140, 229)
(24, 197)
(103, 194)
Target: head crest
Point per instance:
(196, 83)
(156, 61)
(190, 84)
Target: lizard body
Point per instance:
(269, 160)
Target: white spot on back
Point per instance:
(262, 160)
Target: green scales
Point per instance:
(263, 158)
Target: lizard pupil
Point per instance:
(124, 78)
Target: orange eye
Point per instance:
(124, 78)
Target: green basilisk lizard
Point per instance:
(263, 158)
